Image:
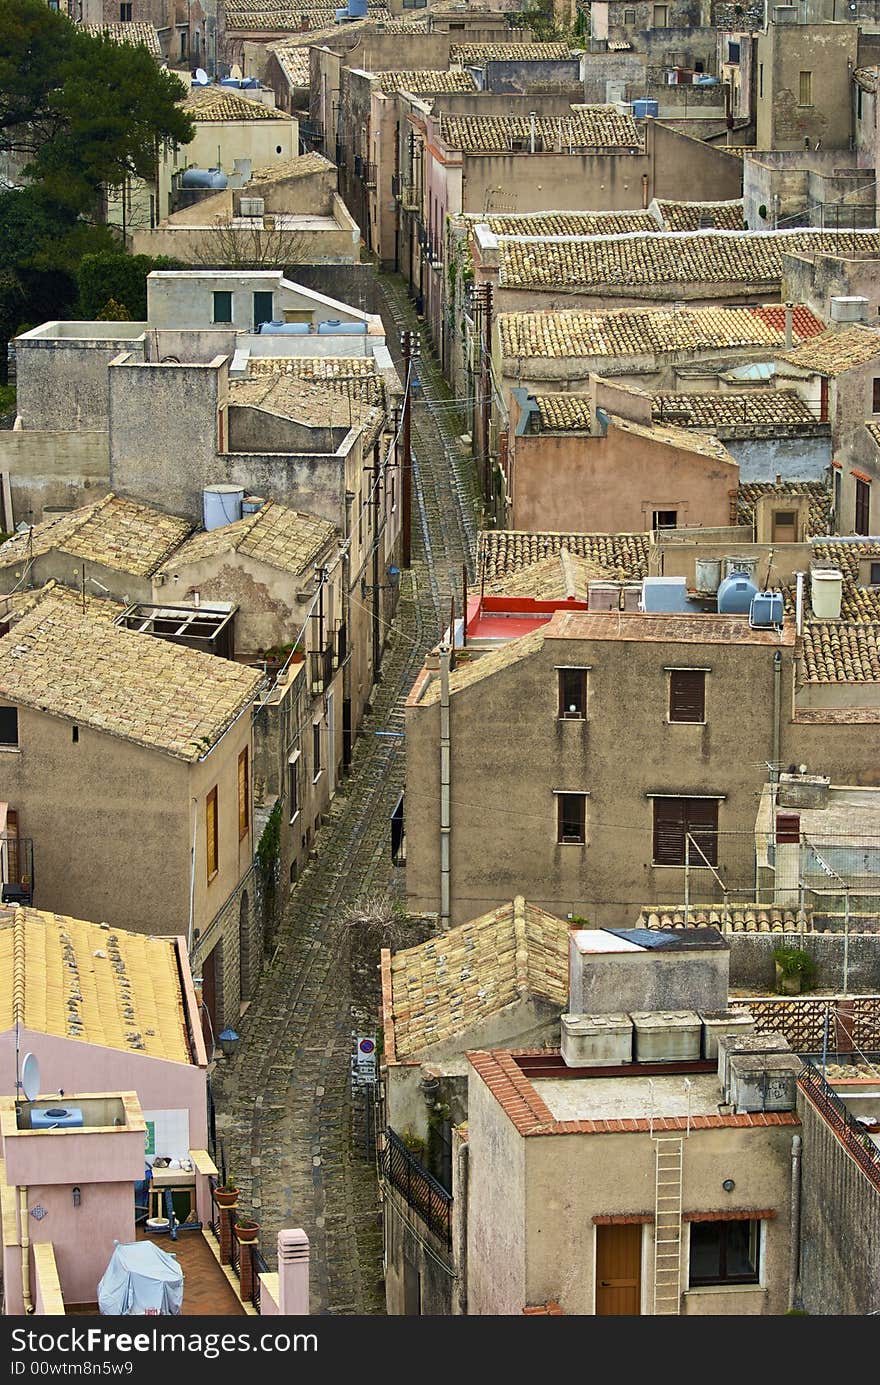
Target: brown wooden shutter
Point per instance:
(701, 816)
(244, 819)
(687, 695)
(788, 828)
(211, 831)
(669, 820)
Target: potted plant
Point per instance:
(795, 970)
(226, 1194)
(246, 1230)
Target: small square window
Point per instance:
(629, 16)
(725, 1252)
(223, 306)
(573, 694)
(571, 823)
(874, 575)
(8, 726)
(664, 519)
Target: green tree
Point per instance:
(78, 112)
(114, 275)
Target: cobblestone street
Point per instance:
(284, 1103)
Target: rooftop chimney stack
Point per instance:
(789, 323)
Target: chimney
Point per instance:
(303, 23)
(293, 1273)
(799, 602)
(532, 131)
(789, 321)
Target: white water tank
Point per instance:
(596, 1041)
(221, 505)
(826, 589)
(708, 574)
(848, 308)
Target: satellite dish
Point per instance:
(30, 1076)
(236, 72)
(202, 78)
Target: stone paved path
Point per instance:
(284, 1105)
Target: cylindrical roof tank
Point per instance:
(826, 591)
(204, 178)
(735, 594)
(357, 8)
(221, 505)
(284, 329)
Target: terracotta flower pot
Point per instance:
(246, 1235)
(226, 1197)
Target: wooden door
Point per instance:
(618, 1270)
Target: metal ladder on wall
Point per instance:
(668, 1163)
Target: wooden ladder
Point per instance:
(667, 1225)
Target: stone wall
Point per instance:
(752, 966)
(54, 469)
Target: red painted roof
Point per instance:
(804, 323)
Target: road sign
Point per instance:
(363, 1062)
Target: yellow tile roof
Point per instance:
(446, 986)
(139, 688)
(685, 216)
(874, 432)
(834, 352)
(742, 408)
(486, 666)
(225, 103)
(558, 577)
(425, 80)
(318, 392)
(300, 167)
(354, 376)
(663, 258)
(841, 652)
(117, 533)
(638, 331)
(78, 980)
(281, 14)
(135, 33)
(504, 552)
(475, 54)
(564, 413)
(293, 59)
(588, 127)
(275, 535)
(684, 439)
(819, 520)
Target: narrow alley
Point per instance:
(284, 1102)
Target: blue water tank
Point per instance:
(667, 595)
(335, 328)
(221, 505)
(766, 610)
(57, 1118)
(735, 594)
(204, 178)
(231, 82)
(644, 107)
(284, 329)
(357, 8)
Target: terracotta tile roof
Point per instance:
(117, 533)
(737, 918)
(504, 553)
(475, 54)
(293, 59)
(684, 439)
(857, 603)
(486, 666)
(834, 352)
(619, 45)
(142, 689)
(874, 432)
(805, 324)
(561, 223)
(266, 15)
(643, 331)
(530, 1115)
(555, 578)
(300, 167)
(732, 409)
(841, 652)
(866, 78)
(819, 521)
(354, 376)
(316, 403)
(135, 33)
(664, 258)
(275, 535)
(444, 987)
(588, 127)
(77, 980)
(562, 413)
(425, 80)
(685, 216)
(225, 103)
(551, 1308)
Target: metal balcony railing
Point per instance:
(855, 1139)
(422, 1191)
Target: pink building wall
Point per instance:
(82, 1236)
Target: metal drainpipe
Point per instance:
(795, 1251)
(25, 1252)
(777, 706)
(644, 192)
(789, 325)
(799, 603)
(445, 824)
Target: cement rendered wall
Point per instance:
(840, 1225)
(623, 982)
(795, 458)
(409, 1239)
(54, 469)
(61, 383)
(752, 967)
(496, 1217)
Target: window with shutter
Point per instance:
(244, 801)
(788, 828)
(211, 833)
(687, 695)
(677, 818)
(863, 508)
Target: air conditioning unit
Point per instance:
(252, 206)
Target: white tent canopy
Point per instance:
(141, 1279)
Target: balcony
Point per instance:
(410, 198)
(422, 1191)
(16, 869)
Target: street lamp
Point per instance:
(228, 1041)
